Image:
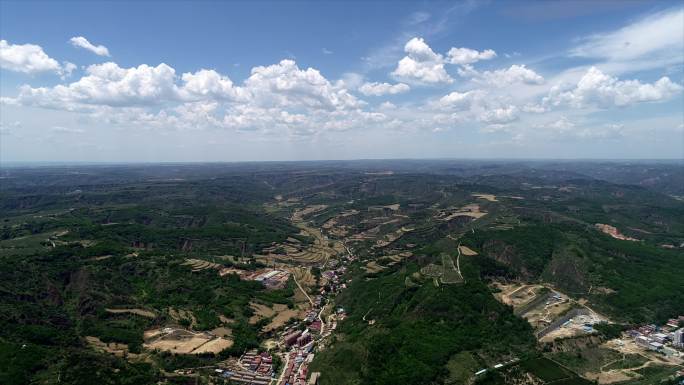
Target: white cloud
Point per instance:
(286, 85)
(66, 130)
(598, 89)
(421, 64)
(533, 108)
(82, 42)
(468, 56)
(108, 84)
(652, 42)
(277, 97)
(205, 84)
(281, 85)
(460, 99)
(560, 126)
(350, 80)
(480, 106)
(515, 74)
(495, 128)
(387, 106)
(564, 128)
(499, 115)
(26, 58)
(67, 69)
(379, 89)
(327, 51)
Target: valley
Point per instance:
(337, 274)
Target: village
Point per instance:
(296, 344)
(285, 359)
(297, 334)
(666, 339)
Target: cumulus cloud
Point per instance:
(379, 89)
(499, 115)
(468, 56)
(515, 74)
(82, 42)
(205, 84)
(460, 99)
(107, 84)
(421, 64)
(480, 106)
(559, 126)
(280, 85)
(286, 85)
(387, 106)
(26, 58)
(596, 88)
(281, 96)
(67, 69)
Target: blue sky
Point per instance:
(227, 81)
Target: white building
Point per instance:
(678, 338)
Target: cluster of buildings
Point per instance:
(663, 339)
(297, 370)
(298, 338)
(271, 278)
(334, 284)
(298, 341)
(252, 368)
(302, 342)
(261, 363)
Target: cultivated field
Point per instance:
(181, 341)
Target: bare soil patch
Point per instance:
(467, 251)
(373, 267)
(181, 341)
(471, 210)
(613, 232)
(117, 349)
(260, 312)
(488, 197)
(283, 315)
(140, 312)
(299, 214)
(213, 346)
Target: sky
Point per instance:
(235, 81)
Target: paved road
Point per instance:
(282, 372)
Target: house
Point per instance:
(656, 346)
(313, 380)
(660, 337)
(642, 341)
